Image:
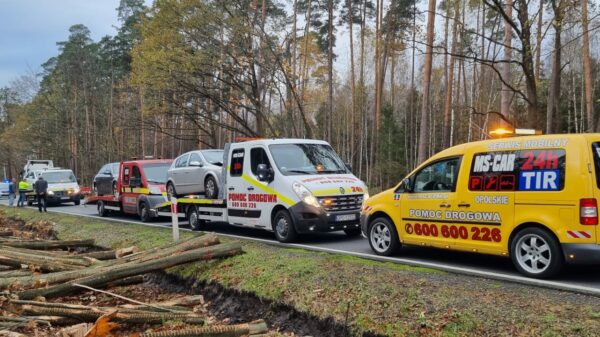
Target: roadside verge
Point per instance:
(385, 298)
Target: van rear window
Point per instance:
(596, 154)
(525, 170)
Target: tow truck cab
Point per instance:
(288, 186)
(140, 189)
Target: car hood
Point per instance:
(332, 184)
(62, 186)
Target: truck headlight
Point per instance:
(75, 190)
(305, 195)
(50, 192)
(366, 197)
(155, 190)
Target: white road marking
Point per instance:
(412, 262)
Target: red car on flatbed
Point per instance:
(140, 189)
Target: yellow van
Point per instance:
(531, 198)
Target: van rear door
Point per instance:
(596, 183)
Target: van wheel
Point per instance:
(195, 222)
(535, 253)
(211, 190)
(101, 210)
(383, 237)
(144, 212)
(29, 203)
(352, 232)
(284, 227)
(171, 191)
(77, 202)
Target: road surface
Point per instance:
(576, 279)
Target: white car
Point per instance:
(196, 172)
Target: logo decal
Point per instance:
(342, 190)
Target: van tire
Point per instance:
(546, 249)
(101, 210)
(211, 189)
(383, 237)
(283, 227)
(192, 216)
(144, 212)
(77, 202)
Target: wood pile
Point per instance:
(32, 271)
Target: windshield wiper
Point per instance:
(300, 171)
(331, 171)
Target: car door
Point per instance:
(194, 176)
(128, 198)
(178, 174)
(424, 204)
(237, 187)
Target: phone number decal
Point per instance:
(454, 232)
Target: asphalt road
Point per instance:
(576, 279)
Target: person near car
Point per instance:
(11, 192)
(41, 191)
(23, 189)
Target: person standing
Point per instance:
(11, 192)
(41, 191)
(23, 189)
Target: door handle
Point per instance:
(445, 205)
(462, 204)
(250, 188)
(232, 188)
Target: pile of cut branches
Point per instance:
(32, 271)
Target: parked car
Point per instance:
(3, 189)
(108, 172)
(196, 172)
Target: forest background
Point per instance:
(420, 76)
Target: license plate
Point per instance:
(345, 217)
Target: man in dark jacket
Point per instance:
(41, 190)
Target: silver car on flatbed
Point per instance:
(196, 172)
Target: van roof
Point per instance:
(270, 141)
(512, 142)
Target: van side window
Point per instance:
(596, 154)
(440, 176)
(237, 163)
(126, 176)
(523, 170)
(258, 156)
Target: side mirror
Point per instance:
(195, 164)
(349, 166)
(135, 182)
(264, 173)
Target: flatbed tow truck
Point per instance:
(140, 189)
(288, 186)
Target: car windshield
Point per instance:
(296, 159)
(156, 173)
(59, 177)
(213, 157)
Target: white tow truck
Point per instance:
(288, 186)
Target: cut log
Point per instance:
(60, 277)
(92, 314)
(236, 330)
(14, 273)
(135, 268)
(50, 244)
(172, 249)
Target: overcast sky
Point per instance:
(29, 30)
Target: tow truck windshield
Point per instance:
(298, 159)
(59, 177)
(156, 173)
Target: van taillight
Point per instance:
(588, 212)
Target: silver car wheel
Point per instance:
(381, 237)
(210, 187)
(170, 190)
(533, 253)
(282, 227)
